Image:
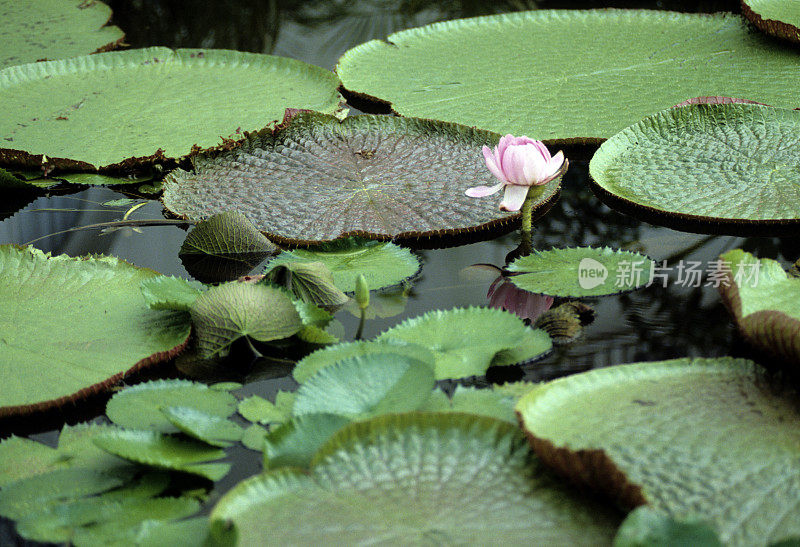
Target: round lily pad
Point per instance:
(382, 264)
(717, 168)
(776, 17)
(54, 29)
(110, 110)
(697, 439)
(765, 303)
(580, 272)
(535, 73)
(70, 327)
(416, 479)
(317, 178)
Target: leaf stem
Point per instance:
(360, 330)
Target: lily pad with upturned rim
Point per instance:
(581, 272)
(716, 168)
(764, 301)
(109, 110)
(317, 178)
(776, 17)
(416, 479)
(636, 63)
(705, 439)
(54, 29)
(71, 327)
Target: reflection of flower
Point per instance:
(503, 294)
(519, 163)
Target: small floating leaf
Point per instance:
(54, 29)
(717, 168)
(66, 105)
(382, 264)
(765, 303)
(22, 458)
(776, 17)
(295, 443)
(69, 327)
(165, 452)
(581, 271)
(258, 409)
(317, 179)
(465, 342)
(253, 437)
(97, 179)
(695, 438)
(140, 406)
(171, 293)
(214, 430)
(482, 402)
(416, 479)
(232, 310)
(309, 281)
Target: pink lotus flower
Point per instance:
(504, 295)
(519, 163)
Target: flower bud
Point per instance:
(362, 292)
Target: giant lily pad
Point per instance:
(709, 167)
(317, 178)
(54, 29)
(776, 17)
(70, 327)
(765, 303)
(535, 73)
(112, 109)
(581, 272)
(416, 479)
(702, 439)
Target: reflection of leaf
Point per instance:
(309, 281)
(694, 438)
(416, 479)
(317, 179)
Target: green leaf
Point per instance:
(774, 17)
(111, 109)
(171, 293)
(764, 301)
(365, 386)
(209, 428)
(54, 29)
(646, 527)
(165, 452)
(9, 182)
(470, 400)
(224, 247)
(70, 327)
(22, 458)
(141, 406)
(694, 438)
(580, 272)
(382, 264)
(232, 310)
(311, 363)
(707, 167)
(260, 410)
(317, 179)
(97, 179)
(465, 342)
(253, 437)
(464, 71)
(77, 449)
(294, 443)
(150, 533)
(416, 479)
(309, 281)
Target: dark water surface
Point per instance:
(650, 324)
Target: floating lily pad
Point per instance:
(776, 17)
(646, 527)
(253, 437)
(295, 442)
(703, 439)
(209, 428)
(54, 29)
(22, 458)
(499, 72)
(96, 179)
(309, 281)
(165, 452)
(70, 327)
(260, 410)
(465, 342)
(365, 386)
(718, 168)
(580, 272)
(317, 178)
(171, 293)
(383, 264)
(765, 303)
(483, 402)
(230, 311)
(111, 109)
(311, 363)
(416, 479)
(141, 406)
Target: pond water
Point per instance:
(650, 324)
